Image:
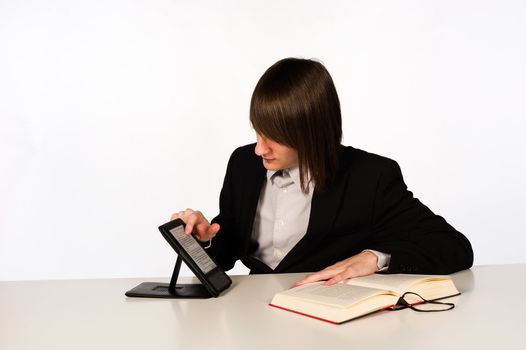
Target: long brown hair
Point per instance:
(295, 104)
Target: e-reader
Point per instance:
(214, 280)
(195, 256)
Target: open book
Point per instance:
(361, 296)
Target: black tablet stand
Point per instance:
(171, 290)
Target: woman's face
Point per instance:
(275, 155)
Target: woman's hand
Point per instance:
(362, 264)
(197, 224)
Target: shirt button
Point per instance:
(284, 190)
(278, 253)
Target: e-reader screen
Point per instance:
(194, 249)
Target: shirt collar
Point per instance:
(294, 173)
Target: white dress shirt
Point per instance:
(282, 215)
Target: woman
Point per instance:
(299, 201)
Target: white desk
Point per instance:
(95, 314)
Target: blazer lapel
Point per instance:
(252, 190)
(324, 208)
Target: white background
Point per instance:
(114, 114)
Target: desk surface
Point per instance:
(95, 314)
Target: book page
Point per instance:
(398, 283)
(339, 295)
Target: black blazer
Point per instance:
(366, 206)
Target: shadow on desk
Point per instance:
(464, 280)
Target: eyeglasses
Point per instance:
(420, 304)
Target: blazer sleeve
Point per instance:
(418, 240)
(224, 245)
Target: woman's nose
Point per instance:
(261, 146)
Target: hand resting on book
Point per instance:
(359, 265)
